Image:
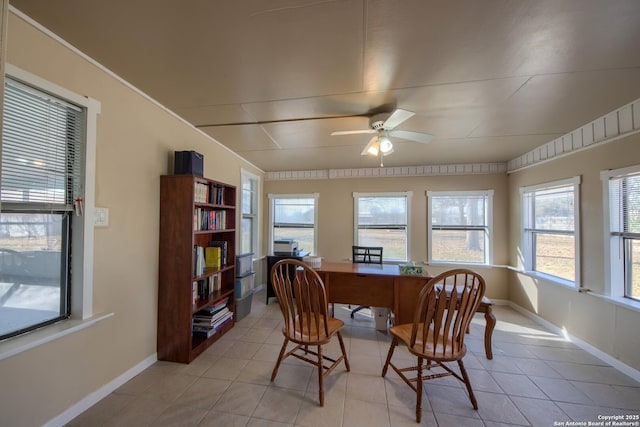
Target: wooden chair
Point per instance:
(365, 255)
(445, 308)
(303, 302)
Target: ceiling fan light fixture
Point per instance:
(372, 148)
(386, 147)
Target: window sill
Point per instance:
(548, 278)
(619, 301)
(12, 346)
(461, 264)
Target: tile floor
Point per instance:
(536, 378)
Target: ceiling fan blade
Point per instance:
(396, 118)
(353, 132)
(412, 136)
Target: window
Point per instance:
(550, 224)
(250, 209)
(46, 192)
(460, 226)
(622, 206)
(295, 216)
(41, 177)
(381, 219)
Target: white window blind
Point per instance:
(624, 229)
(41, 151)
(624, 199)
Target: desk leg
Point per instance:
(488, 332)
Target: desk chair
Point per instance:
(365, 255)
(303, 302)
(445, 308)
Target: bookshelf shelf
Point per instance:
(196, 297)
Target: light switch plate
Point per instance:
(101, 217)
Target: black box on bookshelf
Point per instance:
(188, 163)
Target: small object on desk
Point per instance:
(411, 269)
(313, 261)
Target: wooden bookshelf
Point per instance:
(194, 211)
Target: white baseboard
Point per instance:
(622, 367)
(92, 398)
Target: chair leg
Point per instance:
(419, 391)
(465, 376)
(344, 352)
(280, 357)
(392, 347)
(320, 376)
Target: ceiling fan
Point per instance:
(384, 126)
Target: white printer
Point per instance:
(285, 247)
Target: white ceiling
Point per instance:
(271, 80)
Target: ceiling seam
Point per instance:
(364, 44)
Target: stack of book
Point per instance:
(210, 320)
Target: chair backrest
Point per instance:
(367, 254)
(445, 308)
(303, 300)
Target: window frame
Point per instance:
(82, 240)
(488, 227)
(527, 242)
(254, 215)
(615, 255)
(407, 195)
(274, 197)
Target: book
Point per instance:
(210, 319)
(199, 261)
(220, 305)
(204, 333)
(208, 286)
(215, 282)
(222, 244)
(200, 192)
(194, 290)
(222, 320)
(213, 257)
(223, 302)
(216, 196)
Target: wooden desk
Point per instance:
(383, 286)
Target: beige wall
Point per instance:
(608, 327)
(335, 215)
(135, 142)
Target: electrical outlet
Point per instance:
(101, 217)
